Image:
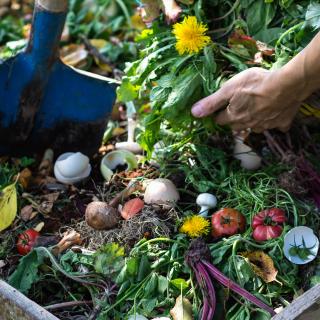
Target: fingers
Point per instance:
(212, 103)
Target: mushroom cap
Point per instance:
(99, 215)
(207, 200)
(161, 191)
(249, 159)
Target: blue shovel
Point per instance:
(44, 103)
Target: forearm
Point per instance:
(302, 73)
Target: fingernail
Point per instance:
(197, 110)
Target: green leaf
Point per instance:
(313, 15)
(132, 265)
(149, 304)
(109, 259)
(162, 284)
(8, 206)
(179, 283)
(127, 92)
(27, 271)
(269, 35)
(259, 15)
(151, 286)
(144, 268)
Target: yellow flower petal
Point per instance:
(195, 226)
(190, 35)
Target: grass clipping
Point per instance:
(151, 222)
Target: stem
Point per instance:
(211, 294)
(219, 276)
(151, 241)
(228, 13)
(68, 304)
(131, 128)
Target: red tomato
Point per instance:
(227, 222)
(26, 241)
(267, 224)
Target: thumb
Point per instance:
(212, 103)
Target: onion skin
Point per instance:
(267, 224)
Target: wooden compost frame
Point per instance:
(15, 306)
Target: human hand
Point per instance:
(255, 98)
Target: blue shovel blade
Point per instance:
(72, 113)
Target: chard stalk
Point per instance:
(219, 276)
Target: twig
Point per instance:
(95, 52)
(68, 304)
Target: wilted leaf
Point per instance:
(74, 55)
(26, 212)
(262, 265)
(182, 309)
(8, 206)
(25, 177)
(47, 202)
(70, 238)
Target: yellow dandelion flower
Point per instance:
(190, 35)
(195, 226)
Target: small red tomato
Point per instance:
(227, 222)
(26, 241)
(267, 224)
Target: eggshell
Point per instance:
(296, 234)
(72, 164)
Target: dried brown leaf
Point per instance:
(262, 265)
(26, 212)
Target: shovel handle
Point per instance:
(53, 5)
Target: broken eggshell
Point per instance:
(72, 167)
(117, 158)
(295, 236)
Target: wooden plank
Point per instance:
(14, 305)
(305, 307)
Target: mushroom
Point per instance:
(114, 159)
(300, 238)
(161, 191)
(130, 145)
(72, 167)
(206, 201)
(103, 216)
(249, 159)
